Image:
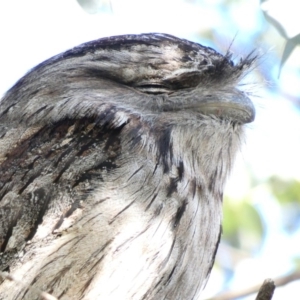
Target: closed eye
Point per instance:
(153, 88)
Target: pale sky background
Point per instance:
(34, 30)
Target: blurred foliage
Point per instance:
(285, 191)
(242, 225)
(296, 261)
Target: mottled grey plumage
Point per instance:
(113, 157)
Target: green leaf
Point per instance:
(288, 49)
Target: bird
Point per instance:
(113, 161)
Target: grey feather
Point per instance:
(113, 159)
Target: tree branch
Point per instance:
(279, 281)
(266, 291)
